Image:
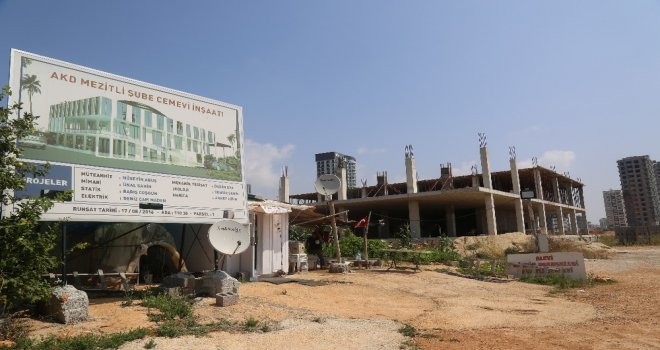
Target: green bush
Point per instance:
(485, 268)
(299, 233)
(170, 307)
(26, 244)
(405, 236)
(437, 255)
(558, 280)
(408, 330)
(351, 244)
(82, 342)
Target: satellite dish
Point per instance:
(229, 237)
(327, 184)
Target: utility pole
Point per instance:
(333, 222)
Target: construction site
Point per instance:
(486, 202)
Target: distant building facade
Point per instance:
(640, 190)
(327, 163)
(615, 210)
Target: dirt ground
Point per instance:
(366, 308)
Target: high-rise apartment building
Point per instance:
(656, 167)
(327, 163)
(640, 190)
(615, 210)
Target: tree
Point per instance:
(232, 139)
(26, 245)
(32, 85)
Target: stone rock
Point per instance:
(180, 279)
(68, 305)
(215, 282)
(340, 267)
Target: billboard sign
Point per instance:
(129, 150)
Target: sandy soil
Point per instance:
(365, 309)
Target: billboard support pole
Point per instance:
(64, 254)
(183, 237)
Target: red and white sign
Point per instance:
(539, 264)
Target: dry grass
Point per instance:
(593, 250)
(494, 247)
(497, 247)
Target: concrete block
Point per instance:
(68, 305)
(226, 299)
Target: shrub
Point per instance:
(408, 330)
(405, 236)
(251, 324)
(87, 341)
(351, 244)
(26, 245)
(170, 307)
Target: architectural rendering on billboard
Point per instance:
(128, 148)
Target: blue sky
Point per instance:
(574, 83)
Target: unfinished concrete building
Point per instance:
(480, 203)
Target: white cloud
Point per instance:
(263, 166)
(562, 160)
(465, 168)
(364, 150)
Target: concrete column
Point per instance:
(363, 193)
(342, 194)
(520, 216)
(343, 216)
(543, 222)
(451, 221)
(283, 195)
(475, 181)
(555, 189)
(515, 180)
(571, 200)
(485, 167)
(413, 216)
(537, 184)
(573, 217)
(560, 217)
(411, 174)
(581, 192)
(491, 221)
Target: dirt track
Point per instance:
(365, 309)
